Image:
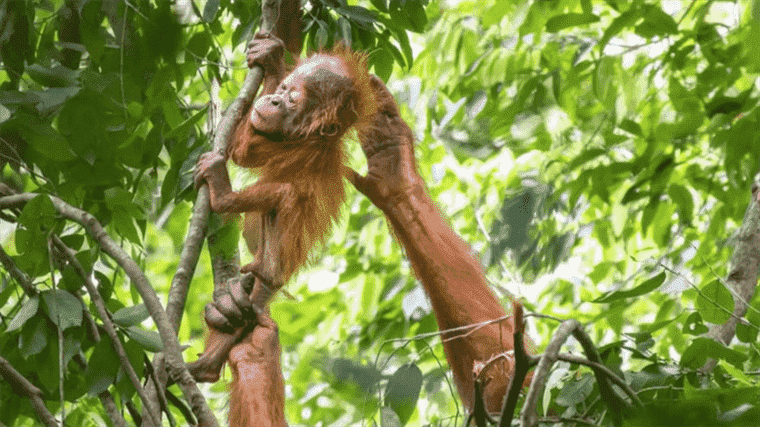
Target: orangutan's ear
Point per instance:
(329, 129)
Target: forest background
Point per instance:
(599, 156)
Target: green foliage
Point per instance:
(597, 154)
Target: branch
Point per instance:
(162, 400)
(17, 274)
(523, 363)
(198, 227)
(177, 367)
(606, 371)
(224, 268)
(19, 383)
(528, 415)
(614, 402)
(743, 274)
(109, 404)
(105, 316)
(208, 366)
(479, 412)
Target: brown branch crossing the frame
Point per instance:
(208, 367)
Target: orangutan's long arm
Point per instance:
(443, 262)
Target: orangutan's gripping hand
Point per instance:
(212, 169)
(232, 309)
(388, 144)
(266, 51)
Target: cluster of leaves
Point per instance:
(368, 30)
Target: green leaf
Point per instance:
(381, 5)
(630, 126)
(102, 367)
(63, 308)
(13, 98)
(209, 11)
(185, 128)
(5, 113)
(693, 325)
(417, 16)
(53, 98)
(626, 19)
(199, 44)
(496, 12)
(403, 390)
(389, 418)
(38, 213)
(715, 303)
(604, 78)
(345, 30)
(5, 292)
(399, 18)
(750, 46)
(92, 37)
(70, 279)
(644, 288)
(358, 14)
(682, 197)
(740, 376)
(150, 340)
(58, 76)
(125, 226)
(44, 139)
(321, 37)
(647, 216)
(702, 349)
(746, 333)
(136, 356)
(26, 312)
(130, 316)
(73, 241)
(382, 61)
(34, 337)
(105, 287)
(119, 199)
(586, 156)
(656, 23)
(393, 50)
(567, 20)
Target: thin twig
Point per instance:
(162, 400)
(528, 414)
(523, 363)
(604, 369)
(19, 276)
(613, 401)
(108, 325)
(59, 333)
(19, 383)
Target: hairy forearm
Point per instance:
(441, 260)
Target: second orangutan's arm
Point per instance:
(453, 279)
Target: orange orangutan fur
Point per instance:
(293, 204)
(313, 165)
